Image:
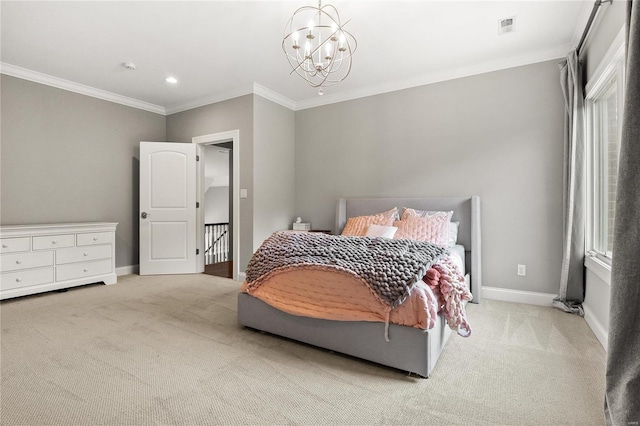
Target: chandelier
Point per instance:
(317, 46)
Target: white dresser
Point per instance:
(38, 258)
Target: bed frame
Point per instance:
(409, 349)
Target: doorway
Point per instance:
(227, 240)
(218, 209)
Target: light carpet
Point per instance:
(168, 350)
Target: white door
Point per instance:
(168, 196)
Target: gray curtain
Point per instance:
(571, 293)
(622, 398)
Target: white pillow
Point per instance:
(453, 233)
(381, 231)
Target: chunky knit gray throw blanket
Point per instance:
(390, 267)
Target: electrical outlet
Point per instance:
(522, 270)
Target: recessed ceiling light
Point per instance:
(171, 80)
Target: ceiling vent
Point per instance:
(507, 25)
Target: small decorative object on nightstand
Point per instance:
(298, 225)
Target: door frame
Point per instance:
(211, 139)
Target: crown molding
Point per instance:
(274, 96)
(71, 86)
(212, 99)
(438, 77)
(257, 89)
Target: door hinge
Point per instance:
(197, 158)
(197, 251)
(197, 205)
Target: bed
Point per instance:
(410, 349)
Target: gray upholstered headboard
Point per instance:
(466, 210)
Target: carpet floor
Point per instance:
(168, 350)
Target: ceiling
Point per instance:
(222, 49)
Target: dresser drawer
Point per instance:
(83, 254)
(54, 241)
(13, 245)
(95, 238)
(19, 279)
(17, 261)
(83, 269)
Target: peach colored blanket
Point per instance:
(325, 292)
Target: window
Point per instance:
(603, 124)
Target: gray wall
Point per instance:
(497, 135)
(216, 204)
(220, 117)
(72, 158)
(68, 157)
(274, 168)
(605, 28)
(216, 169)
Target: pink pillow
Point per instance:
(434, 229)
(357, 226)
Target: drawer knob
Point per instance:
(18, 261)
(85, 254)
(95, 238)
(86, 269)
(5, 245)
(54, 242)
(18, 279)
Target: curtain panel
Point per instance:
(622, 397)
(571, 294)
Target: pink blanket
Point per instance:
(321, 291)
(451, 291)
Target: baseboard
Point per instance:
(127, 270)
(601, 334)
(134, 269)
(518, 296)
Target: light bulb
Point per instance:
(342, 40)
(334, 29)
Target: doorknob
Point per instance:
(144, 215)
